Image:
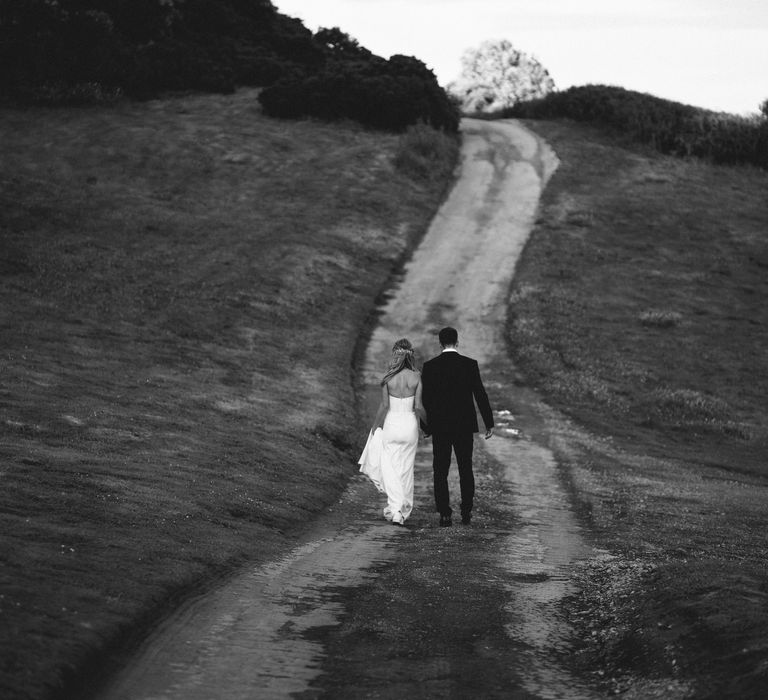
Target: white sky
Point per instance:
(708, 53)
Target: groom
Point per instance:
(451, 385)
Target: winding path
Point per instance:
(276, 631)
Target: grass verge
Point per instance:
(183, 283)
(639, 313)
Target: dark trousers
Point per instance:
(442, 446)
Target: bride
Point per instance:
(390, 452)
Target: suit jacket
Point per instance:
(451, 385)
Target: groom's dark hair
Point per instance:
(448, 336)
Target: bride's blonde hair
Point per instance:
(403, 357)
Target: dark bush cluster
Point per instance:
(144, 47)
(353, 83)
(80, 51)
(670, 127)
(386, 94)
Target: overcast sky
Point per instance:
(709, 53)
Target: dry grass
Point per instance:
(427, 154)
(646, 324)
(661, 318)
(658, 292)
(182, 288)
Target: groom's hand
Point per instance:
(488, 433)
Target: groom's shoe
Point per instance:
(445, 521)
(466, 518)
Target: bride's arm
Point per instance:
(418, 406)
(381, 413)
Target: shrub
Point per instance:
(425, 153)
(147, 46)
(175, 65)
(53, 50)
(670, 127)
(660, 318)
(689, 405)
(386, 94)
(77, 95)
(44, 43)
(256, 65)
(689, 410)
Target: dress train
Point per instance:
(389, 456)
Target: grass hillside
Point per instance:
(639, 311)
(183, 285)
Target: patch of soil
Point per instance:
(429, 623)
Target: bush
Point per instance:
(427, 154)
(77, 95)
(255, 65)
(661, 318)
(42, 43)
(176, 65)
(670, 127)
(383, 94)
(146, 46)
(58, 50)
(687, 405)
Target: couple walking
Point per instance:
(442, 399)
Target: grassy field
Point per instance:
(182, 288)
(183, 285)
(640, 313)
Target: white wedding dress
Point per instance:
(389, 456)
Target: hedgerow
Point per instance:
(670, 127)
(388, 94)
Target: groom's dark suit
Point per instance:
(451, 385)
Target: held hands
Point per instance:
(489, 433)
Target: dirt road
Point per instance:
(364, 609)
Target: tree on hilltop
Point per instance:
(496, 76)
